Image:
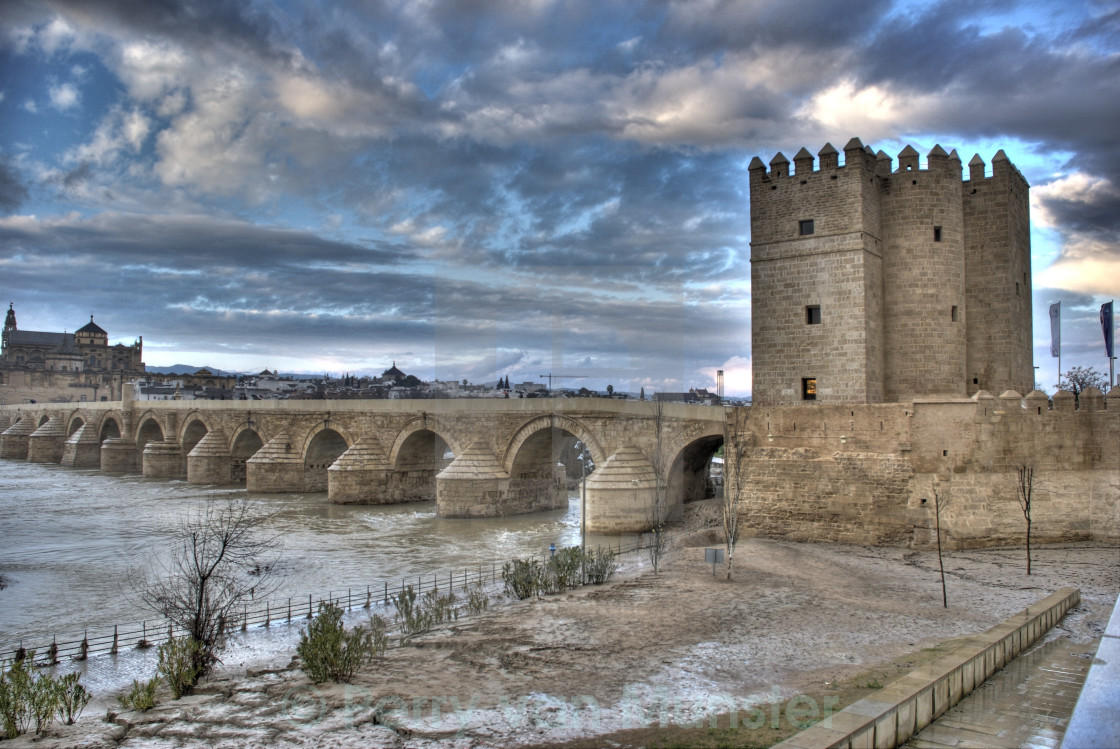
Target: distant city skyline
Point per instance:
(499, 188)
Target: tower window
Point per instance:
(805, 227)
(937, 234)
(809, 388)
(955, 313)
(1016, 288)
(813, 314)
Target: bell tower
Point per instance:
(9, 325)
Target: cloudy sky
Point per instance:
(479, 188)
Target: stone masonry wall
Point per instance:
(862, 474)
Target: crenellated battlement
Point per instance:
(865, 158)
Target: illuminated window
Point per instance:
(809, 388)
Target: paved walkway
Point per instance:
(1027, 704)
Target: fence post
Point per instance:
(386, 592)
(170, 633)
(113, 650)
(308, 605)
(267, 614)
(245, 617)
(289, 609)
(349, 602)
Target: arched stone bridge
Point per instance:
(474, 457)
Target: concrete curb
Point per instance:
(907, 705)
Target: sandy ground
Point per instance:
(642, 650)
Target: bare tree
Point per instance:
(221, 557)
(1077, 379)
(1024, 492)
(734, 455)
(938, 505)
(658, 514)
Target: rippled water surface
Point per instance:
(68, 539)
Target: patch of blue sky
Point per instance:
(52, 105)
(1051, 16)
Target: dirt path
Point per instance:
(641, 652)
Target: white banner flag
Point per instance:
(1056, 329)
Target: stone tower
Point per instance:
(9, 325)
(863, 277)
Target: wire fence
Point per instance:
(152, 632)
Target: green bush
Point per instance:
(178, 664)
(44, 700)
(71, 697)
(142, 697)
(601, 566)
(28, 698)
(440, 608)
(379, 631)
(564, 570)
(16, 696)
(328, 652)
(411, 615)
(523, 578)
(477, 600)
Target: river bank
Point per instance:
(631, 662)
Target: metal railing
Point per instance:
(151, 632)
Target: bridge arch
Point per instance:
(150, 430)
(244, 445)
(417, 425)
(533, 427)
(418, 455)
(110, 427)
(76, 423)
(536, 481)
(194, 430)
(324, 444)
(689, 466)
(44, 419)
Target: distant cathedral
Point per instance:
(35, 362)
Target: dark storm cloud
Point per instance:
(197, 23)
(12, 190)
(185, 243)
(714, 28)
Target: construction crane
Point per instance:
(550, 377)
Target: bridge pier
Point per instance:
(210, 461)
(82, 450)
(621, 493)
(361, 475)
(118, 455)
(163, 460)
(45, 443)
(275, 468)
(473, 486)
(13, 442)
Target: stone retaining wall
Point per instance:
(907, 705)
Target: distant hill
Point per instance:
(184, 369)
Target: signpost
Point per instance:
(715, 556)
